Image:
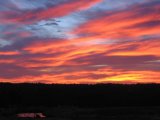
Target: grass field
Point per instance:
(81, 102)
(74, 113)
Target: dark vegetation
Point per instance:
(81, 102)
(102, 95)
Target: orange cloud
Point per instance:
(132, 22)
(116, 47)
(137, 77)
(9, 53)
(105, 75)
(150, 47)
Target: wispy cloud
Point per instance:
(80, 41)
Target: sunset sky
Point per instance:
(80, 41)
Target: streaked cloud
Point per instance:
(80, 41)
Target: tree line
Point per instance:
(100, 95)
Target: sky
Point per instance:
(80, 41)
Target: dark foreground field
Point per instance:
(81, 102)
(74, 113)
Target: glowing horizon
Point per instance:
(80, 41)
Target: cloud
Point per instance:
(9, 52)
(30, 16)
(116, 45)
(125, 23)
(144, 47)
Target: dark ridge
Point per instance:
(99, 95)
